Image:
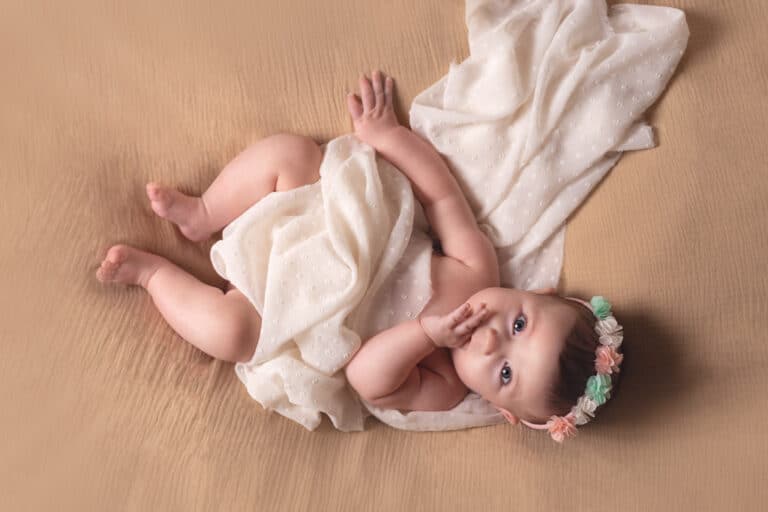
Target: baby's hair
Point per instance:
(576, 362)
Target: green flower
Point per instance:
(598, 388)
(601, 307)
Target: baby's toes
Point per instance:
(116, 255)
(160, 208)
(162, 205)
(107, 271)
(154, 191)
(159, 195)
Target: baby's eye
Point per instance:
(520, 324)
(506, 373)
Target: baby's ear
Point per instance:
(508, 415)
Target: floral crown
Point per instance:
(598, 389)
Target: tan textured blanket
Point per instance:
(105, 408)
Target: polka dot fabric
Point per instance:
(530, 123)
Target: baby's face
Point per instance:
(512, 357)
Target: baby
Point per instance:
(529, 353)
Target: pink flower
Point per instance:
(561, 427)
(608, 360)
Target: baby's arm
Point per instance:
(446, 208)
(386, 372)
(400, 368)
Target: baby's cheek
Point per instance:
(463, 371)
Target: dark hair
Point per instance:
(576, 362)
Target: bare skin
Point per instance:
(222, 323)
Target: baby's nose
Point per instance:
(491, 340)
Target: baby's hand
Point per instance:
(454, 329)
(374, 116)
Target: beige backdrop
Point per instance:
(105, 408)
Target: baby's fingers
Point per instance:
(388, 86)
(354, 106)
(378, 89)
(474, 321)
(459, 314)
(367, 93)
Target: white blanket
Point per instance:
(551, 94)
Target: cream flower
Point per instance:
(612, 340)
(608, 326)
(584, 410)
(587, 405)
(580, 417)
(608, 360)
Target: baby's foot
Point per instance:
(185, 211)
(127, 265)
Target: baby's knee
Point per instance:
(297, 161)
(239, 334)
(295, 149)
(237, 342)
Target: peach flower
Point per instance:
(608, 360)
(561, 427)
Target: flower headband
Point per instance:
(598, 389)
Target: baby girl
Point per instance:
(529, 353)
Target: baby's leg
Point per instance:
(223, 325)
(278, 162)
